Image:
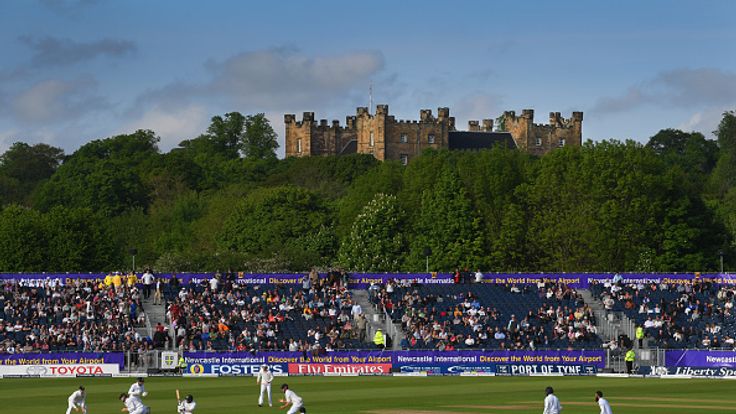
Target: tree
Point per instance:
(23, 242)
(226, 133)
(104, 175)
(509, 248)
(376, 242)
(693, 153)
(23, 167)
(290, 222)
(259, 140)
(78, 240)
(724, 175)
(448, 225)
(385, 177)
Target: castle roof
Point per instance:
(467, 140)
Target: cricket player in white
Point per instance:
(551, 402)
(603, 403)
(133, 405)
(187, 406)
(264, 378)
(77, 401)
(290, 397)
(137, 390)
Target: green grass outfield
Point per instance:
(383, 395)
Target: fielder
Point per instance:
(551, 402)
(290, 397)
(133, 405)
(264, 378)
(137, 390)
(77, 401)
(187, 406)
(603, 403)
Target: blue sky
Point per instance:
(76, 70)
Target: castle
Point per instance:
(387, 138)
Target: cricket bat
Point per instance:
(177, 395)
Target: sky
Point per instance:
(76, 70)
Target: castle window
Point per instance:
(404, 158)
(538, 142)
(299, 146)
(372, 141)
(562, 142)
(430, 138)
(404, 138)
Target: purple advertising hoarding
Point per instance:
(364, 280)
(581, 362)
(63, 358)
(700, 358)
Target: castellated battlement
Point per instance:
(539, 139)
(386, 137)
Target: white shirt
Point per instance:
(356, 310)
(77, 397)
(135, 392)
(478, 277)
(213, 283)
(605, 406)
(147, 278)
(134, 405)
(186, 407)
(264, 377)
(293, 398)
(552, 405)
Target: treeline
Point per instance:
(223, 200)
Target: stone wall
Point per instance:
(539, 139)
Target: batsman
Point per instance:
(185, 406)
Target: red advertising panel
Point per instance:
(339, 369)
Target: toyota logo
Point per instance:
(36, 370)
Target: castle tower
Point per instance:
(298, 138)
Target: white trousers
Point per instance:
(294, 409)
(265, 388)
(70, 409)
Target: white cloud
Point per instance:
(680, 88)
(55, 100)
(172, 126)
(53, 51)
(274, 80)
(705, 121)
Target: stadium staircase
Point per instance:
(154, 314)
(609, 325)
(613, 324)
(378, 320)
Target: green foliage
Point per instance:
(724, 175)
(288, 222)
(77, 240)
(222, 200)
(23, 167)
(64, 239)
(386, 178)
(225, 134)
(104, 176)
(23, 243)
(448, 225)
(259, 141)
(376, 242)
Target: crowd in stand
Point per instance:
(79, 316)
(219, 314)
(319, 314)
(699, 314)
(464, 315)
